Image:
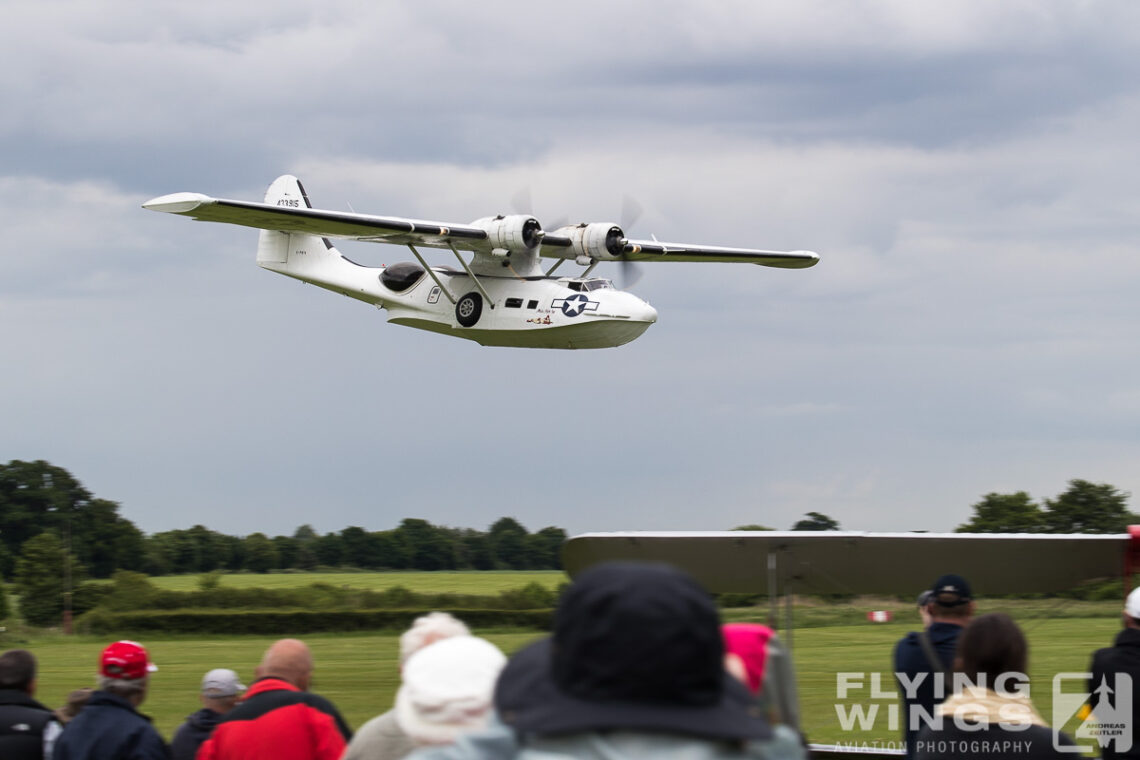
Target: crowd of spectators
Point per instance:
(964, 685)
(638, 665)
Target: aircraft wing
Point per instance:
(311, 221)
(653, 250)
(303, 218)
(867, 563)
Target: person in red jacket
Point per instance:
(278, 719)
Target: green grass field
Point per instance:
(359, 671)
(457, 582)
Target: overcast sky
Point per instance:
(967, 172)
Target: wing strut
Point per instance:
(431, 272)
(478, 285)
(556, 265)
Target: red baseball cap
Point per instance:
(125, 659)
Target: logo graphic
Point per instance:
(574, 305)
(1103, 715)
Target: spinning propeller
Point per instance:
(616, 242)
(630, 272)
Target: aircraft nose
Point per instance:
(643, 312)
(633, 308)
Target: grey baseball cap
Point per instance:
(221, 682)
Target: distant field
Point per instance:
(359, 671)
(811, 612)
(458, 582)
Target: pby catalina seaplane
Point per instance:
(502, 297)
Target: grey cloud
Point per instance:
(433, 83)
(963, 170)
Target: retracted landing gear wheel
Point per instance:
(468, 309)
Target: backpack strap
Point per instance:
(932, 658)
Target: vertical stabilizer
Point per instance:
(291, 252)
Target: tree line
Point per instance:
(40, 499)
(1083, 507)
(52, 528)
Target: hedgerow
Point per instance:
(134, 591)
(294, 621)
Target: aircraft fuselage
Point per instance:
(533, 312)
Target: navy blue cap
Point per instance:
(950, 591)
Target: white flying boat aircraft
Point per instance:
(501, 297)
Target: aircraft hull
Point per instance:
(607, 333)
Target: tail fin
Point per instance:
(275, 250)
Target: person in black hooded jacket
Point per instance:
(27, 728)
(1124, 658)
(220, 692)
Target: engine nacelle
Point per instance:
(600, 241)
(511, 234)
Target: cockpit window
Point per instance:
(400, 277)
(587, 285)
